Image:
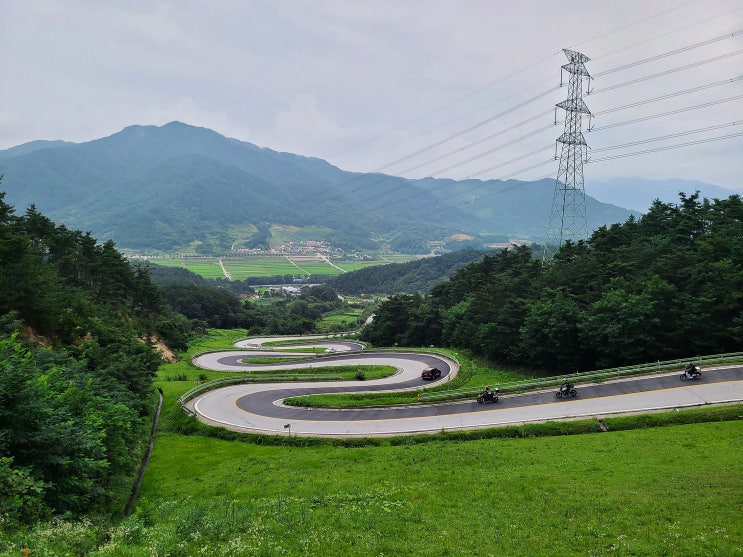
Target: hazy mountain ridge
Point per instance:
(638, 193)
(167, 187)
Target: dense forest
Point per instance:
(207, 307)
(666, 285)
(418, 276)
(79, 330)
(78, 326)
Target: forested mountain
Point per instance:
(414, 276)
(667, 285)
(178, 187)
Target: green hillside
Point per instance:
(419, 276)
(178, 188)
(668, 285)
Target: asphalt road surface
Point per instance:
(258, 408)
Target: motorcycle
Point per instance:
(566, 390)
(488, 396)
(691, 372)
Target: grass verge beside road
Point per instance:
(658, 491)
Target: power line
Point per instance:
(633, 24)
(663, 137)
(670, 53)
(452, 103)
(470, 129)
(667, 72)
(670, 95)
(489, 151)
(480, 124)
(667, 147)
(458, 134)
(516, 107)
(656, 37)
(490, 169)
(386, 208)
(484, 184)
(478, 142)
(499, 165)
(543, 59)
(662, 114)
(512, 174)
(526, 169)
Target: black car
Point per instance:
(431, 373)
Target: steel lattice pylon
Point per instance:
(568, 216)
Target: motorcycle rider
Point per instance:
(691, 370)
(488, 393)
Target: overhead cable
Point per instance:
(667, 33)
(670, 95)
(670, 53)
(667, 147)
(479, 141)
(483, 154)
(667, 72)
(468, 130)
(663, 137)
(551, 160)
(662, 114)
(632, 24)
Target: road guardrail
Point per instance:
(518, 387)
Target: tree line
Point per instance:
(78, 326)
(420, 275)
(665, 285)
(78, 330)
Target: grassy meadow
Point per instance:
(666, 484)
(663, 491)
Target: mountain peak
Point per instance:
(32, 146)
(175, 185)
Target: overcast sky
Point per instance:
(388, 85)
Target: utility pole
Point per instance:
(568, 216)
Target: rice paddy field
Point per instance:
(241, 268)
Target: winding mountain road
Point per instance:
(258, 408)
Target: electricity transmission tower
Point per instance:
(568, 216)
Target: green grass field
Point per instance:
(241, 268)
(663, 491)
(206, 267)
(341, 320)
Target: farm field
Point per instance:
(241, 268)
(207, 267)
